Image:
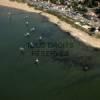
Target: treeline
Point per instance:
(91, 3)
(52, 1)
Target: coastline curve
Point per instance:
(76, 33)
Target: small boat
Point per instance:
(31, 45)
(26, 22)
(85, 68)
(32, 29)
(26, 17)
(27, 34)
(22, 50)
(40, 38)
(36, 61)
(9, 13)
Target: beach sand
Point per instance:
(78, 34)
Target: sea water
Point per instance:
(55, 77)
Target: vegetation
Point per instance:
(91, 3)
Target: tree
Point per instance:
(62, 1)
(91, 3)
(53, 1)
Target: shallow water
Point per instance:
(54, 77)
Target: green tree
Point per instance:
(53, 1)
(62, 1)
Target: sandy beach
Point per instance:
(78, 34)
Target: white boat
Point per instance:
(26, 17)
(31, 45)
(36, 61)
(9, 13)
(26, 22)
(22, 50)
(27, 34)
(32, 29)
(40, 38)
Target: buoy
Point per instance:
(27, 34)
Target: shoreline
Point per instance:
(76, 33)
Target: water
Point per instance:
(53, 78)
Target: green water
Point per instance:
(54, 78)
